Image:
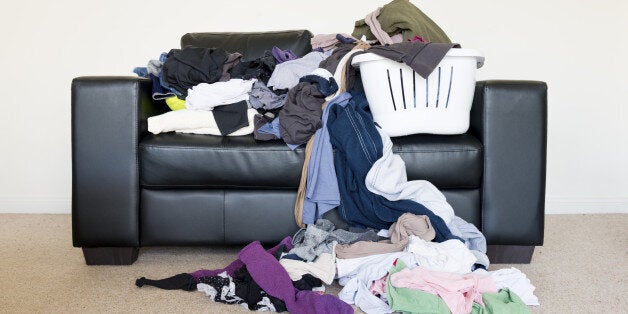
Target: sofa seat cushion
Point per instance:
(172, 160)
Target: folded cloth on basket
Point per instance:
(421, 57)
(401, 16)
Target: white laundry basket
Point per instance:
(403, 103)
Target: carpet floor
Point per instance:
(581, 268)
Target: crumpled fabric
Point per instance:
(319, 238)
(401, 16)
(261, 97)
(450, 256)
(190, 66)
(422, 58)
(283, 55)
(458, 291)
(301, 114)
(356, 289)
(261, 68)
(388, 178)
(376, 29)
(287, 74)
(400, 231)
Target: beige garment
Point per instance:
(400, 231)
(411, 224)
(298, 205)
(367, 248)
(326, 41)
(323, 268)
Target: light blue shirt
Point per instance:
(321, 192)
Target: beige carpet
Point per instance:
(582, 268)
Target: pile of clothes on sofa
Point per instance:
(405, 250)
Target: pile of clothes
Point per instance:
(399, 269)
(405, 249)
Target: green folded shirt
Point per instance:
(401, 16)
(412, 301)
(505, 301)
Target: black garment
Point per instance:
(232, 60)
(232, 117)
(280, 250)
(421, 57)
(301, 115)
(221, 285)
(261, 68)
(248, 290)
(178, 282)
(331, 63)
(191, 66)
(259, 121)
(307, 282)
(279, 91)
(325, 86)
(293, 256)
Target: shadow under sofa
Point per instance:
(132, 189)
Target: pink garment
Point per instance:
(326, 41)
(378, 32)
(458, 291)
(378, 287)
(418, 38)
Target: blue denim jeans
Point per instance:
(358, 145)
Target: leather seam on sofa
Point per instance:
(224, 215)
(438, 151)
(179, 186)
(484, 161)
(217, 149)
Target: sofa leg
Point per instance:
(110, 255)
(510, 254)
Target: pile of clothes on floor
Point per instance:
(405, 249)
(400, 269)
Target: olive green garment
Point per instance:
(401, 16)
(412, 301)
(505, 301)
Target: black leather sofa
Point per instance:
(132, 189)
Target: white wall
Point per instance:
(578, 49)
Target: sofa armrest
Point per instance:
(510, 118)
(107, 120)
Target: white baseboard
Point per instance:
(35, 205)
(586, 205)
(553, 205)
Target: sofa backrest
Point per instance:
(252, 45)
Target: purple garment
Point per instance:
(274, 279)
(321, 192)
(237, 264)
(283, 55)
